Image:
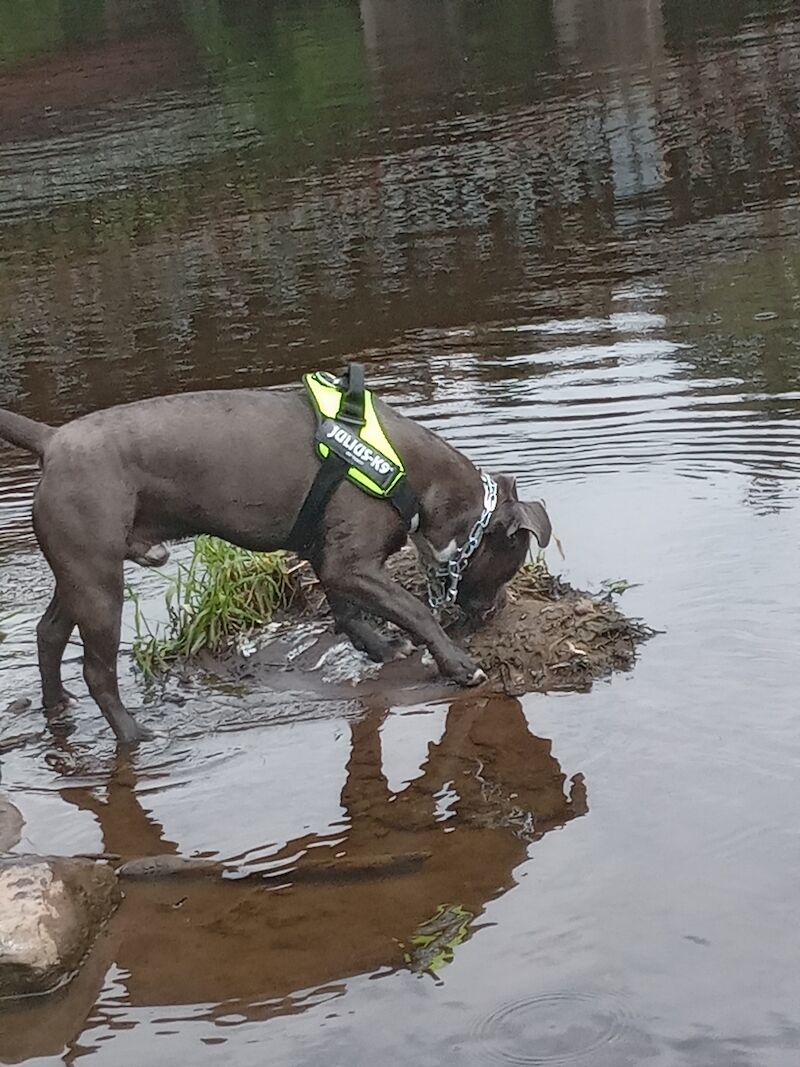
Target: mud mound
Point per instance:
(563, 643)
(548, 636)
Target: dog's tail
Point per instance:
(24, 433)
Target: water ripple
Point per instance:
(17, 484)
(551, 1028)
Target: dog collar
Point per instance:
(444, 578)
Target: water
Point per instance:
(565, 235)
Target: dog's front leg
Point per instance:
(363, 635)
(373, 591)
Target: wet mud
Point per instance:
(548, 636)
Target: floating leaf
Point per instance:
(618, 585)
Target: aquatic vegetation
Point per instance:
(617, 586)
(220, 596)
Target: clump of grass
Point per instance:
(534, 579)
(534, 566)
(219, 597)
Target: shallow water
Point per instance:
(565, 235)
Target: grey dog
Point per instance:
(238, 464)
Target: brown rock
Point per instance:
(51, 910)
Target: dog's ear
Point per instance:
(506, 486)
(530, 516)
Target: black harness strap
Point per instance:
(331, 474)
(404, 500)
(332, 470)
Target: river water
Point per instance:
(565, 234)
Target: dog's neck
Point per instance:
(449, 508)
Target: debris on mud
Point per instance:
(538, 643)
(549, 636)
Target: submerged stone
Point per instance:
(168, 866)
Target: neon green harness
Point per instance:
(350, 443)
(375, 466)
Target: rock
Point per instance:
(20, 704)
(151, 868)
(168, 866)
(11, 823)
(51, 910)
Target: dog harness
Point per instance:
(351, 444)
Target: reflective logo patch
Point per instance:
(343, 442)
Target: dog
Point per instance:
(119, 483)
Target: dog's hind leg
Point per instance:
(81, 527)
(90, 595)
(97, 607)
(52, 634)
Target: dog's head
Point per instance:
(502, 551)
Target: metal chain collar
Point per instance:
(444, 578)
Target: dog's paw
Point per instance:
(465, 672)
(478, 677)
(63, 704)
(402, 649)
(132, 733)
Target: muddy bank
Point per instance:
(549, 636)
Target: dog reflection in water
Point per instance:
(401, 886)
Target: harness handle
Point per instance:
(352, 407)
